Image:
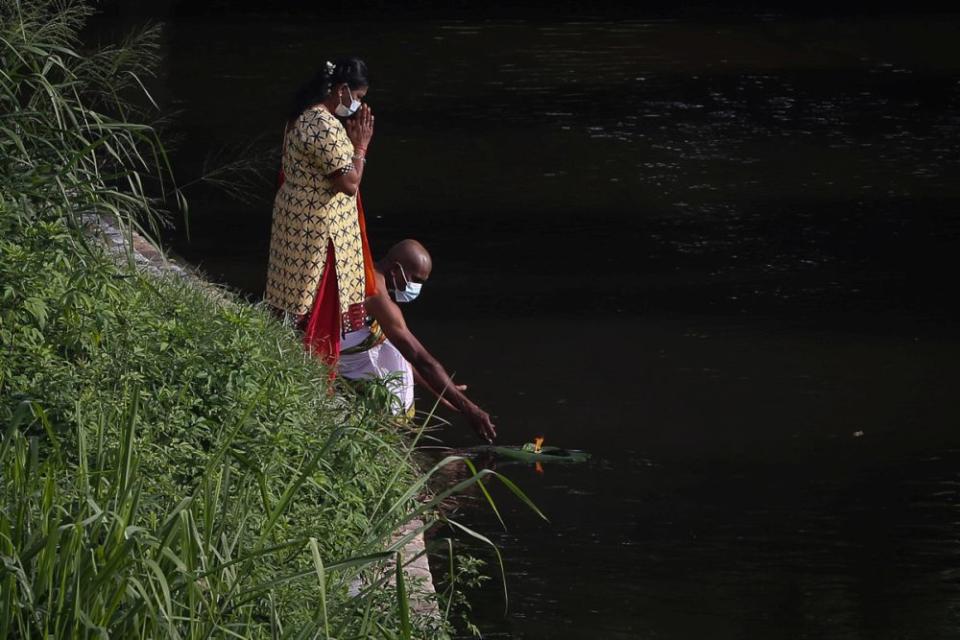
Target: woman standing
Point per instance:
(320, 271)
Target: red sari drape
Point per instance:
(321, 336)
(322, 332)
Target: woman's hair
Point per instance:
(350, 69)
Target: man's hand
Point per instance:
(480, 421)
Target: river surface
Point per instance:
(718, 256)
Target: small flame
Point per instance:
(537, 443)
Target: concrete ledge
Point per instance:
(417, 576)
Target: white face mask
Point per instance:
(408, 293)
(345, 111)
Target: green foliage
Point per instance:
(68, 143)
(171, 463)
(168, 456)
(463, 575)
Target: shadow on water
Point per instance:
(717, 256)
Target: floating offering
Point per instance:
(535, 446)
(536, 452)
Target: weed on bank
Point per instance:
(171, 463)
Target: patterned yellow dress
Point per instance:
(308, 217)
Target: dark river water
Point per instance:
(718, 256)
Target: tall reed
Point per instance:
(172, 464)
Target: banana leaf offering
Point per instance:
(536, 452)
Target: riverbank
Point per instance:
(174, 440)
(149, 259)
(173, 464)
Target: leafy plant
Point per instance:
(171, 463)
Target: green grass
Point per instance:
(172, 463)
(153, 433)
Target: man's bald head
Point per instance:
(413, 257)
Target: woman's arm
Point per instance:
(360, 131)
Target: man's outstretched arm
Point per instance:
(417, 378)
(391, 321)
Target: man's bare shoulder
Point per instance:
(381, 290)
(380, 305)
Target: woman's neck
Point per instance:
(330, 103)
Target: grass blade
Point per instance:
(403, 603)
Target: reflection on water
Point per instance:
(738, 552)
(749, 481)
(765, 162)
(717, 256)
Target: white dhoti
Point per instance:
(365, 355)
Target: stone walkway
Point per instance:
(145, 254)
(419, 580)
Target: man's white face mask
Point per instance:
(408, 293)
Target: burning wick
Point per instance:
(537, 443)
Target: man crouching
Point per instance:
(387, 347)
